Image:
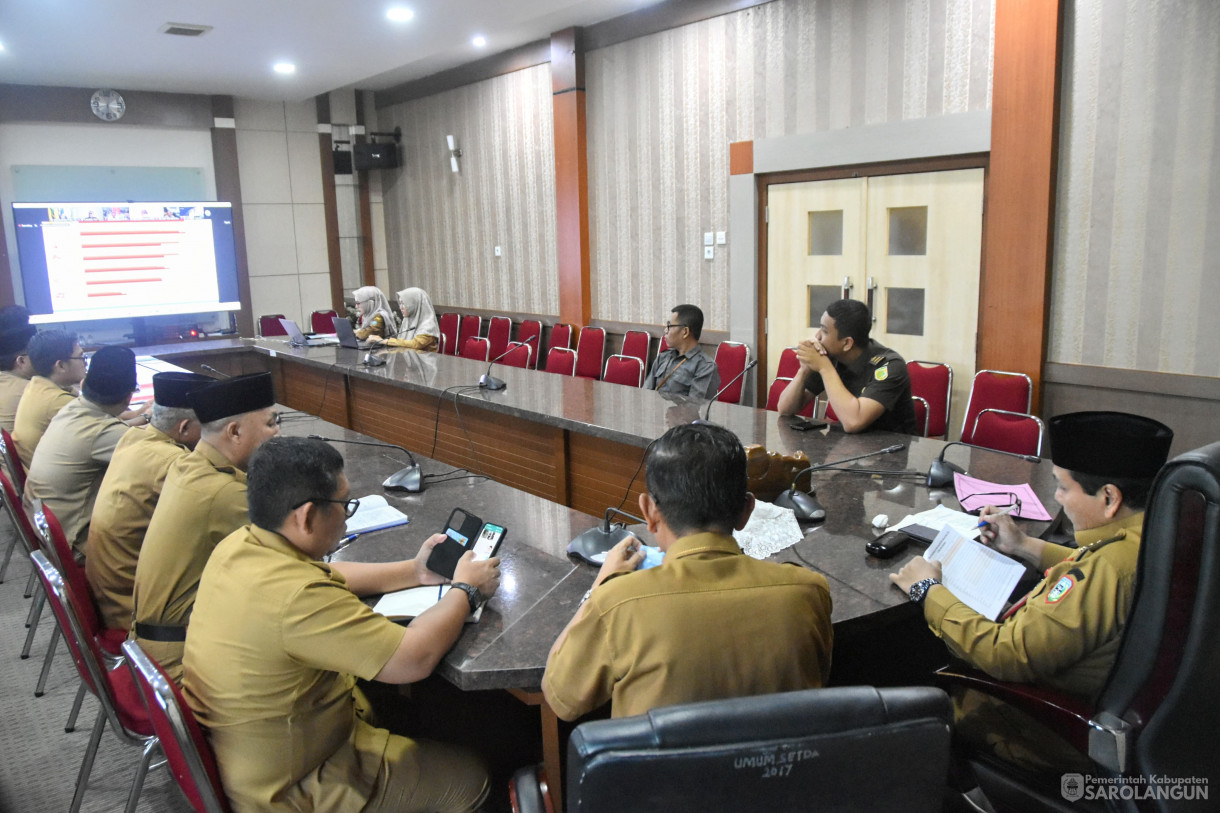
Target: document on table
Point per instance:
(374, 514)
(403, 604)
(981, 577)
(941, 517)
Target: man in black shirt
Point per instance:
(866, 384)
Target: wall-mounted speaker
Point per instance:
(374, 156)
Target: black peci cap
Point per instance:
(172, 389)
(111, 376)
(1109, 444)
(232, 396)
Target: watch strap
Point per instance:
(919, 590)
(472, 594)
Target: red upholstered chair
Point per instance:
(530, 332)
(12, 460)
(788, 363)
(322, 321)
(561, 335)
(994, 389)
(269, 325)
(663, 345)
(187, 752)
(469, 326)
(590, 352)
(476, 349)
(561, 360)
(635, 343)
(731, 359)
(1156, 714)
(1008, 432)
(777, 389)
(921, 414)
(499, 331)
(518, 354)
(120, 704)
(32, 542)
(449, 333)
(627, 370)
(933, 382)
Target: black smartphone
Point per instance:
(888, 544)
(464, 531)
(803, 425)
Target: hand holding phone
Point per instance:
(465, 532)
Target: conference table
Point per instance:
(556, 451)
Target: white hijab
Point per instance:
(381, 305)
(418, 315)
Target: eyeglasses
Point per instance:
(669, 327)
(81, 357)
(1011, 501)
(349, 506)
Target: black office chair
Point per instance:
(850, 748)
(1157, 713)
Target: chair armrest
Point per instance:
(1069, 716)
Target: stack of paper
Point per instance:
(981, 577)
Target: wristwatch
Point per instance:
(919, 590)
(472, 594)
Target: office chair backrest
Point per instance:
(269, 325)
(933, 382)
(995, 389)
(561, 335)
(12, 460)
(1167, 668)
(731, 359)
(920, 406)
(499, 330)
(856, 747)
(470, 325)
(635, 343)
(590, 352)
(12, 503)
(627, 370)
(187, 752)
(449, 333)
(518, 354)
(530, 332)
(475, 348)
(789, 364)
(1007, 431)
(560, 360)
(322, 321)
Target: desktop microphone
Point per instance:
(940, 473)
(488, 381)
(212, 369)
(805, 504)
(409, 479)
(600, 538)
(371, 360)
(744, 370)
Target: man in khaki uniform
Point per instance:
(278, 638)
(15, 367)
(709, 622)
(59, 366)
(1066, 632)
(72, 456)
(203, 501)
(129, 493)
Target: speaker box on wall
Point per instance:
(343, 161)
(374, 156)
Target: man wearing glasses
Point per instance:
(684, 369)
(59, 366)
(202, 502)
(278, 634)
(15, 367)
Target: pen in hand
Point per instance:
(984, 523)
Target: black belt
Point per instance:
(160, 632)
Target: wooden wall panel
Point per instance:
(598, 473)
(318, 392)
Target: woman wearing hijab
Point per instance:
(375, 319)
(420, 330)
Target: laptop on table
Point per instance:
(298, 339)
(347, 336)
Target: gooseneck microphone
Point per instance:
(409, 479)
(488, 381)
(805, 504)
(744, 370)
(601, 538)
(212, 369)
(940, 473)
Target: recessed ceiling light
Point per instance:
(399, 14)
(1, 46)
(479, 40)
(285, 67)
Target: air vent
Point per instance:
(185, 29)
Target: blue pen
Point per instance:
(984, 523)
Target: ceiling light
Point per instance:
(479, 40)
(399, 14)
(285, 67)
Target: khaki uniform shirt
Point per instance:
(202, 502)
(68, 467)
(121, 514)
(273, 645)
(42, 399)
(708, 623)
(11, 389)
(420, 341)
(1065, 633)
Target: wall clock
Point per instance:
(107, 105)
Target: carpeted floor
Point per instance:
(39, 761)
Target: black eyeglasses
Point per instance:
(349, 506)
(1012, 501)
(668, 326)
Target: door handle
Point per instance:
(847, 286)
(871, 290)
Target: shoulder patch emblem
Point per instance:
(881, 373)
(1060, 589)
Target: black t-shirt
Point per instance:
(881, 374)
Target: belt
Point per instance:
(160, 632)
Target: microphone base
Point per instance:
(490, 382)
(409, 479)
(940, 473)
(805, 506)
(596, 540)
